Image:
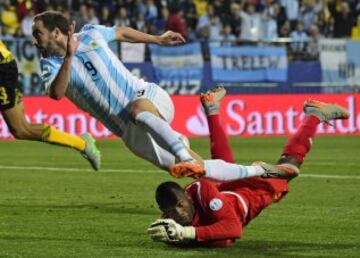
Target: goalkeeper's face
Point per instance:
(183, 212)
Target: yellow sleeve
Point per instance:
(5, 54)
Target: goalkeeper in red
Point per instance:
(213, 214)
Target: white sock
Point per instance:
(163, 134)
(223, 171)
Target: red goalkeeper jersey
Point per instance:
(222, 210)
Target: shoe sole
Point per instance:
(210, 97)
(185, 169)
(89, 138)
(322, 105)
(282, 171)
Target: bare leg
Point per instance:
(22, 130)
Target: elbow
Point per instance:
(123, 34)
(235, 232)
(57, 89)
(56, 95)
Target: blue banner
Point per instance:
(181, 70)
(178, 63)
(248, 64)
(144, 70)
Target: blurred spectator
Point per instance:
(98, 4)
(26, 24)
(312, 49)
(139, 6)
(151, 11)
(222, 7)
(122, 18)
(292, 11)
(227, 38)
(209, 25)
(215, 28)
(259, 20)
(344, 19)
(357, 8)
(24, 7)
(285, 30)
(176, 21)
(151, 29)
(42, 4)
(9, 18)
(299, 37)
(355, 32)
(190, 14)
(82, 17)
(92, 17)
(234, 19)
(250, 23)
(308, 11)
(200, 6)
(105, 18)
(161, 21)
(140, 23)
(269, 24)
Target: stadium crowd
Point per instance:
(215, 20)
(297, 23)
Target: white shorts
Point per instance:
(140, 142)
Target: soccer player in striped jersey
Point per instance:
(82, 67)
(12, 109)
(214, 214)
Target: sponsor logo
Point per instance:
(251, 117)
(215, 204)
(197, 124)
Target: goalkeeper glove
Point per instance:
(167, 230)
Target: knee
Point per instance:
(134, 109)
(140, 106)
(20, 133)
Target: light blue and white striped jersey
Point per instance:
(99, 83)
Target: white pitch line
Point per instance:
(330, 176)
(142, 171)
(28, 168)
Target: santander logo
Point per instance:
(270, 116)
(197, 124)
(240, 115)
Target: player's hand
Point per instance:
(72, 41)
(171, 38)
(167, 230)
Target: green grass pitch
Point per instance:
(52, 205)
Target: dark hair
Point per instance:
(167, 194)
(52, 20)
(174, 8)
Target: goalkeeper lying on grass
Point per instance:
(214, 214)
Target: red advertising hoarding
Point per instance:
(242, 115)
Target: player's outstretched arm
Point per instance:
(127, 34)
(59, 85)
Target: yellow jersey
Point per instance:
(5, 54)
